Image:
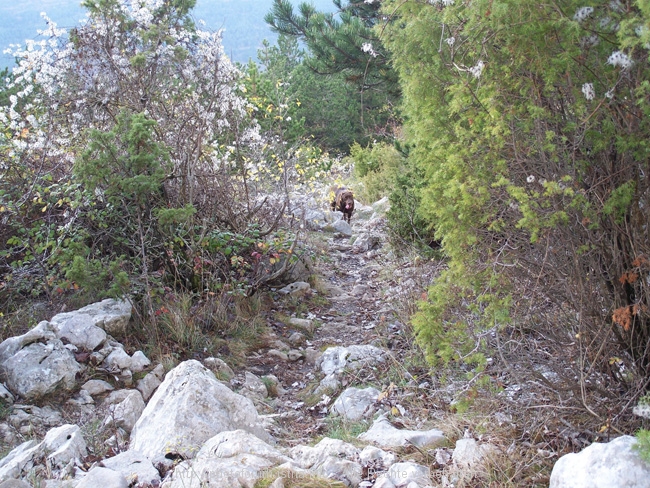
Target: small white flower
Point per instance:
(530, 179)
(610, 93)
(366, 47)
(478, 69)
(588, 91)
(450, 40)
(583, 13)
(619, 58)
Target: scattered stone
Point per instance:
(38, 370)
(104, 477)
(220, 368)
(228, 460)
(60, 446)
(124, 409)
(139, 362)
(469, 453)
(355, 404)
(147, 385)
(371, 455)
(332, 459)
(295, 288)
(111, 315)
(255, 386)
(305, 324)
(190, 407)
(78, 329)
(336, 359)
(602, 465)
(97, 387)
(117, 361)
(403, 474)
(134, 466)
(384, 434)
(278, 354)
(295, 355)
(296, 338)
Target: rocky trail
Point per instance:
(337, 395)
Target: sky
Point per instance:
(242, 21)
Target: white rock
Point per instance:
(330, 458)
(383, 482)
(602, 465)
(190, 407)
(219, 367)
(40, 369)
(117, 360)
(468, 453)
(97, 387)
(402, 474)
(60, 446)
(124, 409)
(43, 332)
(384, 434)
(355, 403)
(139, 362)
(147, 385)
(104, 478)
(372, 454)
(233, 459)
(78, 329)
(336, 359)
(134, 466)
(295, 288)
(111, 315)
(255, 385)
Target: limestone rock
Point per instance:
(330, 458)
(228, 460)
(147, 385)
(384, 434)
(110, 315)
(134, 466)
(104, 477)
(336, 359)
(40, 369)
(78, 329)
(43, 333)
(190, 407)
(124, 409)
(403, 474)
(139, 362)
(354, 403)
(97, 387)
(602, 465)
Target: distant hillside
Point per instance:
(242, 21)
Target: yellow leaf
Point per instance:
(394, 411)
(44, 208)
(2, 209)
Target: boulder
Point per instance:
(135, 468)
(38, 370)
(355, 404)
(78, 329)
(233, 459)
(336, 359)
(330, 458)
(42, 333)
(188, 408)
(602, 465)
(384, 434)
(104, 477)
(147, 385)
(61, 446)
(110, 315)
(124, 409)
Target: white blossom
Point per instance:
(619, 58)
(531, 179)
(366, 47)
(588, 91)
(583, 13)
(450, 40)
(478, 69)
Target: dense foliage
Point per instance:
(131, 161)
(529, 122)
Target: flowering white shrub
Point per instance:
(619, 58)
(588, 91)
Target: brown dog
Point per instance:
(343, 202)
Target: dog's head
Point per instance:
(346, 200)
